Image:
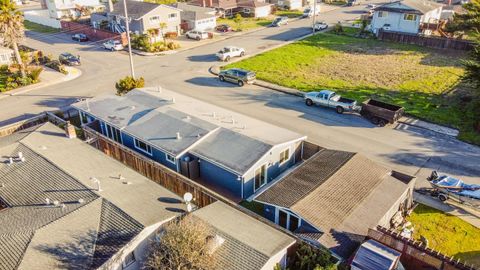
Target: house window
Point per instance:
(288, 220)
(154, 19)
(172, 15)
(171, 158)
(142, 146)
(260, 176)
(410, 17)
(113, 133)
(129, 259)
(382, 14)
(246, 11)
(284, 156)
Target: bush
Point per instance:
(141, 42)
(173, 45)
(56, 65)
(4, 69)
(338, 28)
(308, 257)
(34, 74)
(128, 83)
(172, 35)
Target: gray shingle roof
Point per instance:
(232, 150)
(136, 9)
(302, 181)
(12, 247)
(410, 6)
(159, 129)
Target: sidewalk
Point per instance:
(47, 77)
(453, 208)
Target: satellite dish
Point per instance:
(187, 197)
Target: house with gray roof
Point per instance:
(197, 17)
(228, 152)
(405, 16)
(65, 205)
(333, 198)
(247, 242)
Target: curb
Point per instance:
(73, 73)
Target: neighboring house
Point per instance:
(407, 16)
(6, 55)
(289, 4)
(226, 151)
(247, 242)
(59, 9)
(248, 8)
(146, 18)
(373, 255)
(196, 17)
(55, 215)
(334, 197)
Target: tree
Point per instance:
(238, 20)
(163, 26)
(468, 21)
(12, 29)
(128, 83)
(472, 66)
(184, 244)
(308, 257)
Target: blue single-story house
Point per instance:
(334, 197)
(231, 153)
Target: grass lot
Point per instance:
(289, 13)
(411, 76)
(247, 23)
(447, 234)
(39, 28)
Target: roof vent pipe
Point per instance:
(178, 136)
(173, 100)
(47, 201)
(10, 160)
(20, 155)
(214, 115)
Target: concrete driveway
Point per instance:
(401, 147)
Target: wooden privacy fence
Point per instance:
(415, 255)
(158, 173)
(432, 42)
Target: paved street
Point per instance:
(408, 149)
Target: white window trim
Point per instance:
(174, 158)
(277, 217)
(288, 157)
(266, 176)
(414, 17)
(140, 149)
(385, 13)
(125, 265)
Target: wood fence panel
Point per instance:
(432, 42)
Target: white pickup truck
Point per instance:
(229, 52)
(330, 99)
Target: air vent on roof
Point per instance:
(97, 182)
(120, 177)
(21, 157)
(233, 120)
(159, 89)
(47, 201)
(56, 203)
(214, 115)
(178, 136)
(173, 100)
(10, 161)
(81, 200)
(132, 108)
(187, 118)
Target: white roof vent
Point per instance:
(214, 115)
(47, 201)
(56, 203)
(178, 136)
(132, 107)
(173, 100)
(10, 161)
(81, 200)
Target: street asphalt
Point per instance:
(401, 147)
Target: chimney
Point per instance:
(70, 130)
(110, 6)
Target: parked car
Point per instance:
(69, 59)
(80, 37)
(223, 28)
(308, 12)
(319, 26)
(381, 113)
(330, 99)
(113, 45)
(280, 21)
(238, 76)
(227, 53)
(197, 35)
(371, 6)
(351, 3)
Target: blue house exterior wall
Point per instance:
(269, 212)
(220, 177)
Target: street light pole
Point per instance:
(314, 15)
(128, 38)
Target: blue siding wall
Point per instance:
(217, 176)
(269, 212)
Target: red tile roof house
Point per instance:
(248, 8)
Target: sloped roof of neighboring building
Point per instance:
(194, 12)
(136, 9)
(341, 194)
(249, 243)
(410, 6)
(87, 227)
(231, 139)
(374, 256)
(253, 4)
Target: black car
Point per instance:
(223, 28)
(237, 76)
(80, 37)
(280, 21)
(69, 59)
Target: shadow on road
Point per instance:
(209, 81)
(203, 58)
(290, 34)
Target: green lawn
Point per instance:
(289, 13)
(446, 233)
(411, 76)
(247, 23)
(39, 28)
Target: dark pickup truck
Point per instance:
(381, 113)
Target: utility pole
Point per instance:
(314, 15)
(128, 38)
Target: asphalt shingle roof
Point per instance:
(410, 6)
(136, 9)
(12, 247)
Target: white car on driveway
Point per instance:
(113, 45)
(197, 35)
(319, 26)
(229, 52)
